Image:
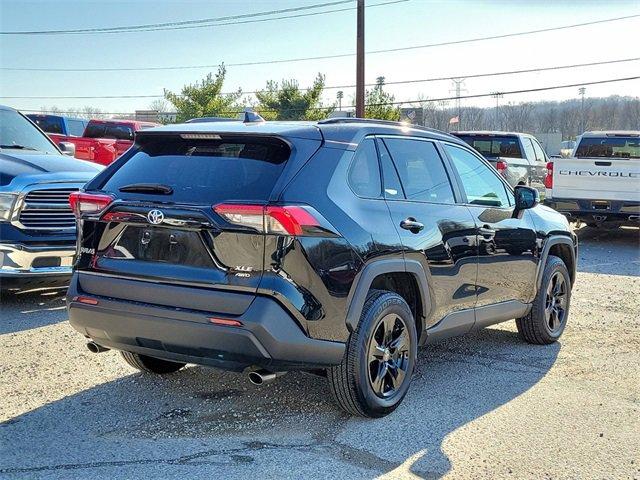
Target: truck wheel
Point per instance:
(376, 371)
(147, 364)
(548, 316)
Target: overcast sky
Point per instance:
(414, 22)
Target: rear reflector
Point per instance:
(285, 220)
(86, 300)
(226, 322)
(91, 203)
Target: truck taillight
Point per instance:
(548, 178)
(283, 220)
(501, 166)
(91, 203)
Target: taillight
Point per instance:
(282, 220)
(501, 166)
(548, 178)
(92, 203)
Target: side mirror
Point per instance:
(526, 197)
(67, 148)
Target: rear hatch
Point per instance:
(185, 210)
(603, 168)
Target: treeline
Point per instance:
(567, 117)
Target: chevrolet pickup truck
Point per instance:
(37, 226)
(518, 157)
(600, 183)
(101, 141)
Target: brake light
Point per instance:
(226, 322)
(501, 166)
(86, 300)
(94, 203)
(548, 178)
(283, 220)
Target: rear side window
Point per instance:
(95, 130)
(203, 171)
(421, 170)
(364, 172)
(539, 151)
(119, 132)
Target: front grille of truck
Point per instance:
(47, 209)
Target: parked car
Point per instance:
(59, 127)
(518, 157)
(101, 141)
(600, 183)
(37, 226)
(336, 247)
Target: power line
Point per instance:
(426, 100)
(320, 57)
(398, 82)
(173, 25)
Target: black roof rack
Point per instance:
(329, 121)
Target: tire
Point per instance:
(547, 319)
(147, 364)
(352, 382)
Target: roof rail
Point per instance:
(248, 116)
(329, 121)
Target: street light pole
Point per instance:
(582, 91)
(360, 61)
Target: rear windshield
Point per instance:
(204, 171)
(494, 146)
(109, 130)
(612, 147)
(48, 123)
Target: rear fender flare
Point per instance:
(365, 278)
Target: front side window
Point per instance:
(364, 172)
(421, 170)
(480, 182)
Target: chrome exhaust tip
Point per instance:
(260, 377)
(95, 348)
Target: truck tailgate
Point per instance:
(596, 179)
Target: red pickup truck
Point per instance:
(102, 140)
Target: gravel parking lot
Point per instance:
(486, 405)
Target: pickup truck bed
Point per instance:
(598, 189)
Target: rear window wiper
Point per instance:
(153, 188)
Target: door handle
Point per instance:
(487, 231)
(411, 225)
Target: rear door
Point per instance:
(188, 210)
(434, 230)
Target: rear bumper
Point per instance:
(597, 211)
(269, 337)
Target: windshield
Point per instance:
(19, 133)
(203, 171)
(610, 147)
(494, 146)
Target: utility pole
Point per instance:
(582, 91)
(497, 96)
(339, 96)
(360, 61)
(458, 82)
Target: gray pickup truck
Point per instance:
(37, 226)
(518, 157)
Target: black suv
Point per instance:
(335, 247)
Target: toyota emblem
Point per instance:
(155, 216)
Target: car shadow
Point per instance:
(24, 310)
(609, 251)
(201, 416)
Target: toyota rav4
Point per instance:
(337, 247)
